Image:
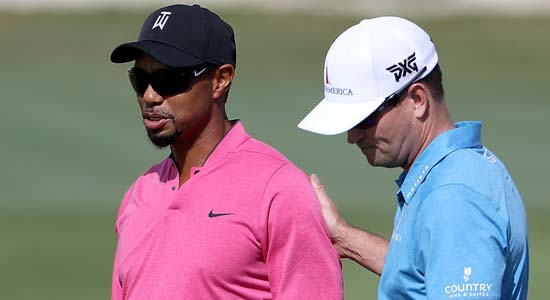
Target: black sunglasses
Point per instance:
(391, 100)
(168, 82)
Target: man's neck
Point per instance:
(189, 152)
(439, 122)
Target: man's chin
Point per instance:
(162, 140)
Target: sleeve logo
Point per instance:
(468, 290)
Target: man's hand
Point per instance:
(335, 222)
(367, 249)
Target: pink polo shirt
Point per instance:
(246, 225)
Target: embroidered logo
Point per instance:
(467, 273)
(401, 69)
(469, 290)
(161, 20)
(197, 74)
(489, 156)
(329, 89)
(212, 214)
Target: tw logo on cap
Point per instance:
(161, 20)
(401, 69)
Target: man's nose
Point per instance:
(355, 135)
(151, 97)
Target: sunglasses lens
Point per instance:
(139, 80)
(169, 83)
(367, 122)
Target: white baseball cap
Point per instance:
(366, 64)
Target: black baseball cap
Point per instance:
(182, 36)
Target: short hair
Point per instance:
(434, 81)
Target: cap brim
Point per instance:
(330, 118)
(165, 54)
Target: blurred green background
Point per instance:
(73, 140)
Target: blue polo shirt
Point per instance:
(460, 230)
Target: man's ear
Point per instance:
(223, 76)
(420, 95)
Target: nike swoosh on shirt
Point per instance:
(212, 214)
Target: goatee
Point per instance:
(162, 141)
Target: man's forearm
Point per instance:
(367, 249)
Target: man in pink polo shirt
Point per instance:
(224, 216)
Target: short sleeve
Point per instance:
(116, 288)
(301, 261)
(461, 244)
(122, 207)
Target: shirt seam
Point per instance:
(263, 242)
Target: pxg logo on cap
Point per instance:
(401, 69)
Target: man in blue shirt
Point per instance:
(460, 229)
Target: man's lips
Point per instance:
(154, 120)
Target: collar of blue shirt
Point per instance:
(467, 134)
